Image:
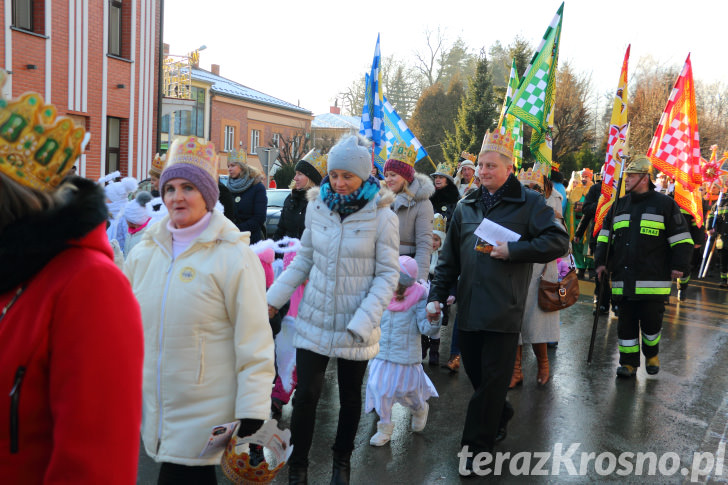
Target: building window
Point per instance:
(113, 144)
(29, 15)
(189, 123)
(254, 141)
(229, 143)
(276, 140)
(115, 27)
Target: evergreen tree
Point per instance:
(478, 112)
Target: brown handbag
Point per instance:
(559, 295)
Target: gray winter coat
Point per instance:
(415, 222)
(401, 331)
(352, 269)
(492, 293)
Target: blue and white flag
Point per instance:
(396, 130)
(372, 123)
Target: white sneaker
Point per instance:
(419, 418)
(383, 434)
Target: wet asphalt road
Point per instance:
(680, 415)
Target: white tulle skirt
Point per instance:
(390, 383)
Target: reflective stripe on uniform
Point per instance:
(629, 346)
(653, 217)
(652, 224)
(603, 236)
(651, 340)
(621, 221)
(683, 237)
(652, 287)
(617, 287)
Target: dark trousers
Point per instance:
(174, 474)
(723, 254)
(633, 316)
(311, 368)
(488, 358)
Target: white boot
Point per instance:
(419, 418)
(383, 434)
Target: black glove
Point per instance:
(248, 427)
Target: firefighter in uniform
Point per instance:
(719, 229)
(651, 246)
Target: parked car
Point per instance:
(276, 197)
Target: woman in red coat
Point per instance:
(71, 345)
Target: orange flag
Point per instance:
(675, 148)
(612, 165)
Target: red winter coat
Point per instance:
(77, 331)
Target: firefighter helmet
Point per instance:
(640, 164)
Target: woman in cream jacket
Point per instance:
(208, 356)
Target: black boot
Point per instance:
(341, 469)
(434, 352)
(297, 476)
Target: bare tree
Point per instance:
(352, 99)
(429, 60)
(573, 125)
(712, 105)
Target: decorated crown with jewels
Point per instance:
(237, 156)
(318, 161)
(499, 143)
(37, 148)
(445, 168)
(468, 156)
(531, 176)
(404, 153)
(194, 151)
(439, 223)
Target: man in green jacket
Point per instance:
(494, 278)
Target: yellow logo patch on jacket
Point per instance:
(187, 274)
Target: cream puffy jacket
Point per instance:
(352, 269)
(208, 353)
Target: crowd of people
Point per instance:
(148, 309)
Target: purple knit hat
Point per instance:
(200, 178)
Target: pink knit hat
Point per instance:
(407, 271)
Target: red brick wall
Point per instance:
(30, 49)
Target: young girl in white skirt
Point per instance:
(396, 374)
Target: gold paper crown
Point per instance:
(158, 164)
(439, 223)
(37, 149)
(237, 467)
(531, 176)
(317, 160)
(404, 153)
(499, 143)
(237, 156)
(468, 156)
(445, 168)
(194, 151)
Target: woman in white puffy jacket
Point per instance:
(208, 356)
(349, 252)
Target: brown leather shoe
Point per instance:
(453, 365)
(517, 376)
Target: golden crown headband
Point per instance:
(37, 149)
(439, 223)
(237, 156)
(499, 143)
(194, 151)
(317, 160)
(445, 168)
(531, 176)
(468, 156)
(404, 153)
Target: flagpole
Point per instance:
(604, 280)
(704, 264)
(432, 163)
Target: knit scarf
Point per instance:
(412, 295)
(348, 204)
(240, 184)
(490, 200)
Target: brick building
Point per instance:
(234, 116)
(98, 63)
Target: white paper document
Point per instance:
(492, 232)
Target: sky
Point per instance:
(307, 52)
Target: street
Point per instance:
(680, 414)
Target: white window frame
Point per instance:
(229, 140)
(254, 141)
(276, 140)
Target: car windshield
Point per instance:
(277, 197)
